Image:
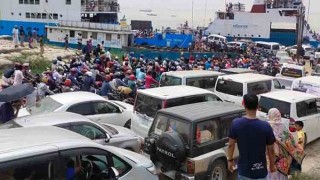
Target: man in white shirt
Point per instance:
(108, 54)
(15, 36)
(18, 75)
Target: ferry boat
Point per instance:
(94, 19)
(268, 20)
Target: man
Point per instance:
(106, 88)
(22, 35)
(253, 136)
(108, 54)
(18, 75)
(88, 82)
(79, 38)
(66, 42)
(15, 36)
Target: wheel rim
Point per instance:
(217, 173)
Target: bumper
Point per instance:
(182, 176)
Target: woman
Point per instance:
(286, 148)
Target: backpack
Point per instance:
(8, 73)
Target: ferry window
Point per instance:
(37, 2)
(33, 15)
(94, 35)
(55, 16)
(44, 16)
(38, 15)
(31, 1)
(108, 37)
(119, 36)
(20, 1)
(72, 34)
(84, 34)
(50, 16)
(26, 1)
(68, 2)
(27, 15)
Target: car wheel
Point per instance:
(218, 170)
(128, 124)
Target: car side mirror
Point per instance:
(107, 139)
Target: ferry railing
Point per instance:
(92, 25)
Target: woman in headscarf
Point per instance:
(286, 148)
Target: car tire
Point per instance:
(128, 124)
(218, 170)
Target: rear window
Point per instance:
(167, 80)
(290, 72)
(147, 105)
(45, 105)
(261, 87)
(275, 47)
(265, 104)
(164, 123)
(202, 82)
(230, 87)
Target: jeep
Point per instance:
(190, 141)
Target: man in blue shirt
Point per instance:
(253, 137)
(106, 87)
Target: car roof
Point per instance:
(50, 119)
(270, 43)
(216, 35)
(195, 73)
(65, 98)
(22, 138)
(309, 79)
(169, 92)
(238, 70)
(289, 96)
(202, 111)
(247, 77)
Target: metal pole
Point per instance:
(300, 25)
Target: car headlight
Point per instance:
(152, 170)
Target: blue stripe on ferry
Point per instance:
(7, 26)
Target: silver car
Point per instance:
(55, 153)
(104, 134)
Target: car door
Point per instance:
(85, 109)
(91, 131)
(105, 112)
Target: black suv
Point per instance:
(190, 141)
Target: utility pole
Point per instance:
(300, 27)
(192, 16)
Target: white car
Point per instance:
(101, 133)
(294, 106)
(55, 153)
(91, 105)
(284, 57)
(308, 50)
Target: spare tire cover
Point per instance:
(171, 150)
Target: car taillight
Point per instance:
(190, 167)
(292, 127)
(164, 104)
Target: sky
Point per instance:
(175, 12)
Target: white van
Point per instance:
(201, 79)
(293, 106)
(308, 84)
(231, 88)
(149, 101)
(271, 47)
(216, 38)
(292, 71)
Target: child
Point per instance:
(301, 137)
(295, 166)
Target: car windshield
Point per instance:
(230, 87)
(9, 125)
(46, 105)
(308, 49)
(167, 80)
(265, 104)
